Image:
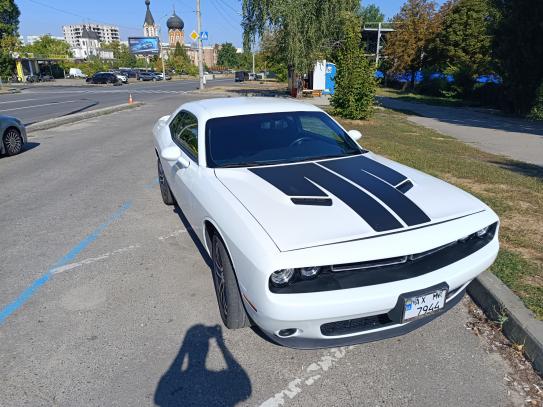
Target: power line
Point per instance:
(215, 4)
(224, 3)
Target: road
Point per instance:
(107, 300)
(516, 138)
(38, 103)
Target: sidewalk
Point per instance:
(519, 139)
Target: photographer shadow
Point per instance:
(189, 383)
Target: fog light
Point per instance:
(308, 272)
(282, 277)
(284, 333)
(482, 232)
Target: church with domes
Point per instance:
(176, 35)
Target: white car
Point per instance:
(312, 238)
(122, 78)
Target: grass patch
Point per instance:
(429, 100)
(513, 189)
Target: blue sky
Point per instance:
(220, 17)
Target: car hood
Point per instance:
(329, 201)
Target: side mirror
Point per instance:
(355, 134)
(172, 153)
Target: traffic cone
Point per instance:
(130, 101)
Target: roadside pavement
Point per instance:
(516, 138)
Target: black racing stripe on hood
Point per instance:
(406, 209)
(292, 180)
(387, 174)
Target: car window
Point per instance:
(271, 138)
(184, 132)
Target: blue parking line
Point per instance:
(67, 258)
(152, 184)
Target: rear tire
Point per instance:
(13, 142)
(165, 190)
(231, 306)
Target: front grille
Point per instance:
(382, 271)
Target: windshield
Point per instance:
(272, 138)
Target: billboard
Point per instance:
(144, 45)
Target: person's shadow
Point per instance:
(188, 383)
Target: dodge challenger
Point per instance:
(314, 239)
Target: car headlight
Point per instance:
(483, 231)
(282, 277)
(309, 272)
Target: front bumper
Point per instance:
(309, 312)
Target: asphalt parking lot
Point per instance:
(107, 300)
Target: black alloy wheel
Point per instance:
(165, 190)
(13, 142)
(231, 307)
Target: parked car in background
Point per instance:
(162, 76)
(241, 76)
(104, 78)
(148, 76)
(129, 73)
(121, 77)
(13, 135)
(39, 78)
(252, 76)
(76, 73)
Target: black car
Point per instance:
(104, 77)
(241, 76)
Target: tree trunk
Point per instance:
(413, 76)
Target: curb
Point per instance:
(77, 117)
(520, 325)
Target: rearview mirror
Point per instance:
(172, 153)
(355, 134)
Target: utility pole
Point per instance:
(200, 51)
(378, 45)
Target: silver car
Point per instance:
(13, 135)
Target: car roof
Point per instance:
(224, 107)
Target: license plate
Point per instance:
(423, 305)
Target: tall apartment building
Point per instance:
(106, 33)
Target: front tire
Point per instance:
(165, 190)
(13, 141)
(231, 307)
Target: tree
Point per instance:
(463, 45)
(272, 58)
(407, 46)
(227, 56)
(121, 53)
(49, 47)
(180, 61)
(355, 81)
(305, 30)
(371, 14)
(9, 27)
(518, 49)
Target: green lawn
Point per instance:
(429, 100)
(513, 189)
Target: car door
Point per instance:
(184, 133)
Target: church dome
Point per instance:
(175, 22)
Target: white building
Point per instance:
(89, 45)
(106, 33)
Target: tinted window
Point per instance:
(275, 138)
(184, 132)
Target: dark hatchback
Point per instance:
(104, 78)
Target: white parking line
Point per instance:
(45, 104)
(312, 374)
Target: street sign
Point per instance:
(204, 35)
(194, 35)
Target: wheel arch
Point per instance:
(210, 228)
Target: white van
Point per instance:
(76, 73)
